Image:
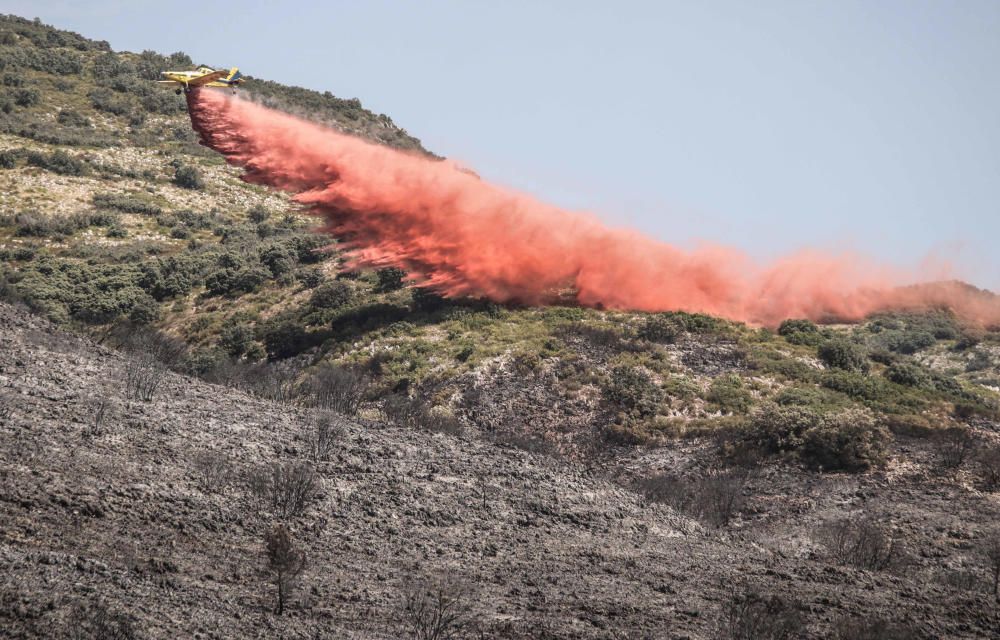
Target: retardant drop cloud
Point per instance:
(461, 236)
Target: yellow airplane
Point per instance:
(202, 77)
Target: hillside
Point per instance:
(116, 507)
(633, 466)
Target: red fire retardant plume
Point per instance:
(460, 236)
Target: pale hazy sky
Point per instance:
(768, 126)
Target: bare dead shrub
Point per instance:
(876, 629)
(334, 388)
(860, 543)
(285, 563)
(100, 408)
(142, 375)
(989, 468)
(715, 499)
(6, 408)
(954, 448)
(435, 609)
(753, 615)
(326, 429)
(141, 340)
(990, 550)
(212, 470)
(94, 621)
(285, 489)
(273, 381)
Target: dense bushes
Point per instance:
(125, 203)
(390, 279)
(662, 328)
(839, 353)
(728, 393)
(40, 225)
(800, 332)
(850, 439)
(632, 391)
(906, 374)
(26, 97)
(55, 61)
(58, 162)
(331, 295)
(236, 281)
(92, 293)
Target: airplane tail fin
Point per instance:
(234, 75)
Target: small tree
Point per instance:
(284, 562)
(286, 489)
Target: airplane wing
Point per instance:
(208, 77)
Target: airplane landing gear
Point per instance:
(177, 91)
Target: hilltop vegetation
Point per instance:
(115, 214)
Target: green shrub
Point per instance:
(125, 203)
(661, 328)
(26, 97)
(855, 385)
(235, 281)
(906, 374)
(842, 354)
(310, 278)
(777, 429)
(284, 339)
(144, 311)
(8, 158)
(909, 342)
(800, 332)
(696, 322)
(426, 300)
(71, 118)
(278, 258)
(849, 440)
(237, 339)
(258, 214)
(811, 397)
(331, 295)
(728, 393)
(106, 100)
(58, 162)
(390, 279)
(632, 391)
(188, 177)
